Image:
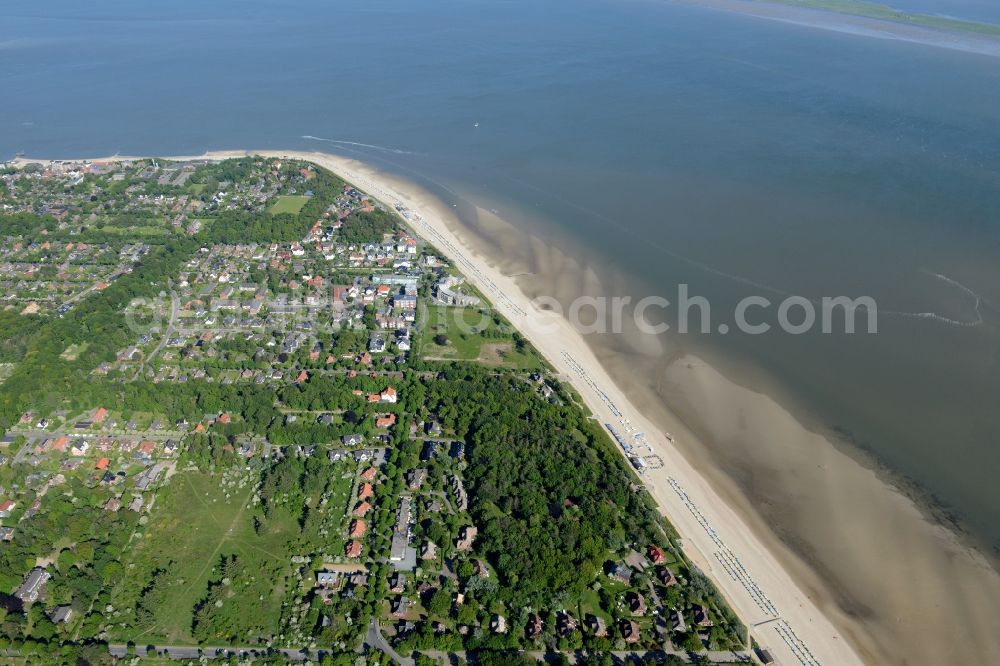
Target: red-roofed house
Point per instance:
(369, 474)
(100, 415)
(385, 421)
(357, 528)
(303, 376)
(365, 492)
(362, 509)
(60, 444)
(655, 555)
(102, 463)
(353, 549)
(147, 448)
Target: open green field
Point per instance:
(191, 527)
(289, 204)
(885, 12)
(72, 352)
(472, 335)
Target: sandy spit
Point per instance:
(861, 26)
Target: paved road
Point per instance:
(189, 652)
(375, 639)
(76, 297)
(167, 332)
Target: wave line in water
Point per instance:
(947, 320)
(397, 151)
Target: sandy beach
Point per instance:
(870, 579)
(781, 616)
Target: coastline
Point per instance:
(780, 615)
(800, 614)
(714, 536)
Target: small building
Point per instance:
(353, 549)
(701, 617)
(597, 626)
(498, 624)
(621, 573)
(33, 585)
(679, 626)
(327, 579)
(415, 478)
(466, 537)
(534, 628)
(565, 623)
(629, 630)
(62, 614)
(666, 576)
(636, 603)
(400, 606)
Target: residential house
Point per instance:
(534, 628)
(400, 606)
(597, 626)
(565, 623)
(636, 603)
(327, 578)
(415, 478)
(33, 585)
(466, 537)
(666, 576)
(621, 573)
(629, 630)
(62, 614)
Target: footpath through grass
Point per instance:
(472, 334)
(199, 518)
